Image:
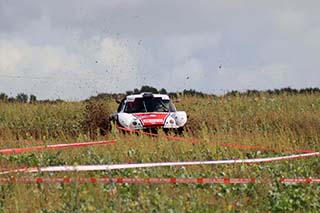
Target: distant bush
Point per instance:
(33, 99)
(282, 91)
(192, 92)
(3, 97)
(22, 98)
(104, 96)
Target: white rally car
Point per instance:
(149, 112)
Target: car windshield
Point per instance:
(149, 105)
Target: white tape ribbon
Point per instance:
(159, 164)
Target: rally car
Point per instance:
(149, 112)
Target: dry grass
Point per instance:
(281, 122)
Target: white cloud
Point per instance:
(113, 46)
(312, 39)
(21, 58)
(10, 58)
(191, 69)
(185, 46)
(118, 58)
(290, 20)
(277, 73)
(125, 61)
(30, 67)
(100, 65)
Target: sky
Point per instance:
(78, 48)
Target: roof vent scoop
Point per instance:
(147, 95)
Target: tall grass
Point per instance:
(39, 121)
(282, 122)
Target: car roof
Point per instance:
(142, 95)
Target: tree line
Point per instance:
(24, 98)
(286, 90)
(20, 98)
(192, 92)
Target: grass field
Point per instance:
(275, 121)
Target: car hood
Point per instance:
(152, 118)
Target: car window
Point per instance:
(149, 105)
(120, 105)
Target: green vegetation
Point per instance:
(281, 121)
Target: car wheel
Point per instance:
(179, 131)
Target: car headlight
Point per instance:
(136, 124)
(170, 122)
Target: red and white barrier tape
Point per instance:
(54, 147)
(238, 146)
(107, 167)
(158, 180)
(300, 180)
